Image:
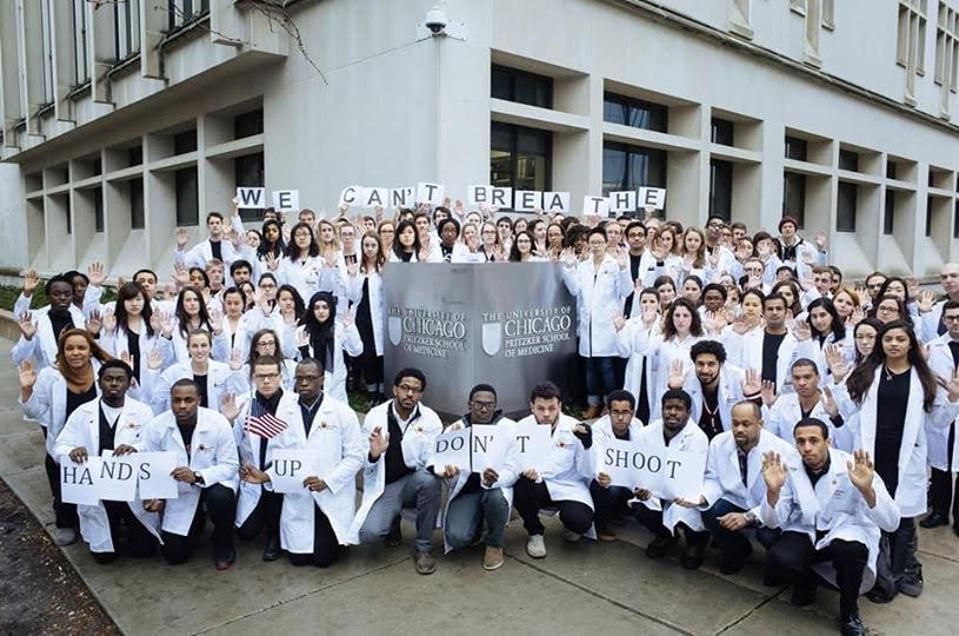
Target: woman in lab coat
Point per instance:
(323, 337)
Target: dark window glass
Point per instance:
(932, 178)
(248, 124)
(186, 10)
(135, 156)
(97, 167)
(137, 218)
(187, 197)
(628, 111)
(520, 158)
(184, 142)
(889, 215)
(721, 189)
(955, 222)
(848, 160)
(249, 172)
(66, 206)
(629, 167)
(795, 148)
(722, 132)
(891, 169)
(846, 207)
(521, 86)
(929, 216)
(794, 196)
(98, 210)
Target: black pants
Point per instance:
(529, 497)
(66, 513)
(940, 484)
(127, 532)
(326, 547)
(897, 557)
(789, 559)
(219, 502)
(652, 520)
(264, 518)
(608, 503)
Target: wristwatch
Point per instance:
(751, 518)
(197, 478)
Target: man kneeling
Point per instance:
(831, 512)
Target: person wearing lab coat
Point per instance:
(640, 373)
(314, 524)
(677, 431)
(206, 475)
(810, 398)
(831, 510)
(400, 433)
(798, 253)
(483, 496)
(610, 502)
(365, 289)
(40, 329)
(892, 398)
(943, 456)
(213, 378)
(113, 422)
(771, 350)
(323, 336)
(562, 482)
(600, 284)
(216, 245)
(733, 487)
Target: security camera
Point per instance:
(436, 20)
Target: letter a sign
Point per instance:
(492, 337)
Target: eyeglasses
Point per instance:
(950, 318)
(406, 388)
(483, 406)
(888, 310)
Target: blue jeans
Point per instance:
(465, 515)
(600, 377)
(735, 546)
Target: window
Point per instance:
(629, 167)
(846, 207)
(795, 148)
(721, 189)
(248, 124)
(135, 156)
(183, 12)
(889, 214)
(522, 86)
(520, 158)
(127, 35)
(829, 14)
(849, 160)
(947, 55)
(891, 170)
(81, 69)
(184, 142)
(928, 216)
(722, 132)
(910, 42)
(249, 172)
(955, 222)
(187, 197)
(98, 210)
(46, 48)
(66, 208)
(628, 111)
(794, 196)
(137, 218)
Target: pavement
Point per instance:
(587, 587)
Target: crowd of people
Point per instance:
(826, 411)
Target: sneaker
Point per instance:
(571, 537)
(64, 536)
(395, 536)
(853, 626)
(879, 597)
(536, 546)
(493, 558)
(606, 535)
(225, 558)
(424, 563)
(660, 545)
(911, 583)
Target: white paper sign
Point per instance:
(153, 475)
(290, 467)
(535, 442)
(431, 193)
(687, 479)
(624, 201)
(662, 471)
(654, 198)
(118, 478)
(286, 200)
(615, 461)
(251, 198)
(477, 195)
(401, 197)
(556, 202)
(595, 206)
(485, 449)
(376, 198)
(451, 448)
(527, 200)
(351, 195)
(78, 481)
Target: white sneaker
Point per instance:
(64, 536)
(536, 546)
(572, 537)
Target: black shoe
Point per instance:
(693, 556)
(272, 551)
(225, 558)
(955, 528)
(879, 597)
(660, 545)
(911, 583)
(803, 596)
(395, 537)
(735, 561)
(853, 626)
(934, 520)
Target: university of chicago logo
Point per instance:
(492, 337)
(395, 328)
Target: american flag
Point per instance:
(265, 425)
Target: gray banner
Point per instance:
(511, 325)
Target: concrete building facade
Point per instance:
(127, 119)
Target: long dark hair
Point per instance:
(277, 247)
(838, 328)
(298, 305)
(253, 355)
(874, 323)
(292, 251)
(321, 334)
(861, 379)
(129, 291)
(514, 255)
(796, 307)
(884, 290)
(183, 319)
(398, 248)
(695, 325)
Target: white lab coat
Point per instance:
(418, 435)
(157, 385)
(202, 253)
(599, 296)
(305, 276)
(336, 442)
(377, 308)
(213, 456)
(344, 339)
(911, 491)
(837, 507)
(239, 383)
(940, 361)
(814, 351)
(48, 403)
(42, 348)
(662, 353)
(633, 379)
(729, 391)
(691, 440)
(603, 432)
(781, 418)
(723, 480)
(746, 352)
(83, 429)
(569, 467)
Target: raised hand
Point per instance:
(352, 269)
(820, 240)
(677, 374)
(166, 325)
(801, 330)
(236, 362)
(619, 321)
(302, 338)
(715, 322)
(31, 280)
(27, 374)
(154, 359)
(951, 386)
(912, 286)
(94, 323)
(752, 382)
(857, 316)
(861, 470)
(569, 257)
(110, 321)
(740, 325)
(96, 273)
(925, 300)
(649, 316)
(774, 473)
(228, 407)
(272, 262)
(216, 320)
(768, 392)
(348, 320)
(27, 327)
(829, 402)
(835, 360)
(126, 358)
(378, 443)
(181, 274)
(182, 238)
